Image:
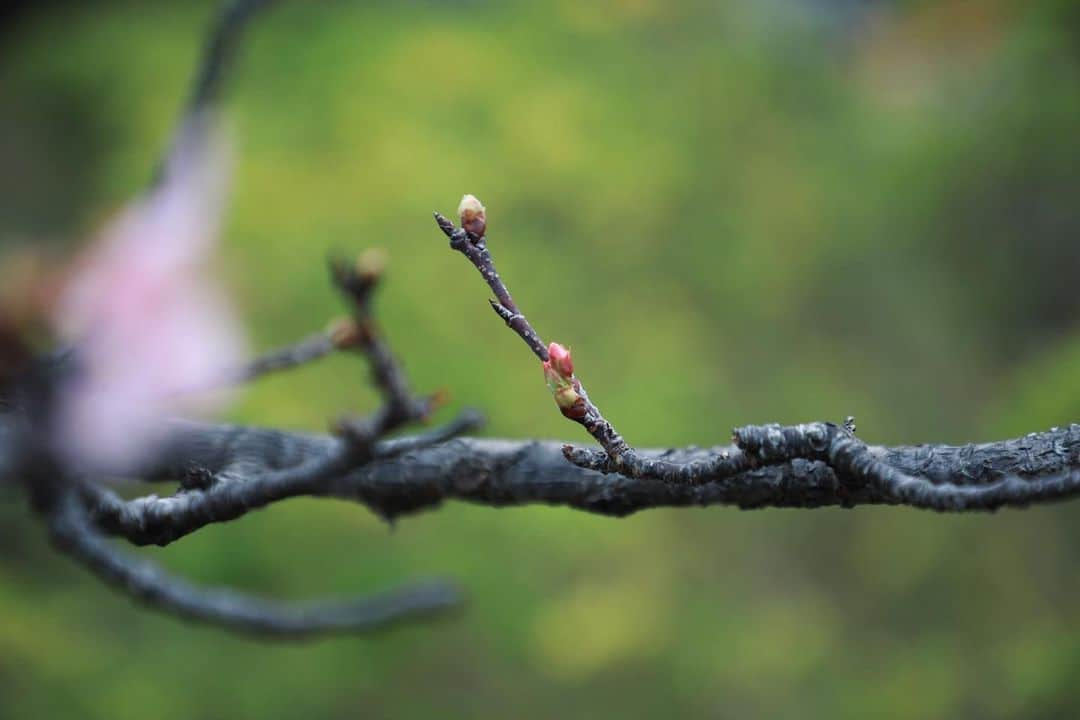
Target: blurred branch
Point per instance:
(72, 533)
(213, 67)
(357, 282)
(305, 351)
(239, 483)
(219, 49)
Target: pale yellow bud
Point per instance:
(473, 216)
(372, 262)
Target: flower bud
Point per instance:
(344, 333)
(560, 360)
(571, 403)
(371, 263)
(473, 216)
(564, 388)
(566, 397)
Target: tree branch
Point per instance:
(224, 472)
(1035, 468)
(310, 349)
(570, 395)
(73, 534)
(239, 480)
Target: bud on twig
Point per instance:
(561, 360)
(344, 333)
(565, 388)
(473, 216)
(371, 263)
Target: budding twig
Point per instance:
(474, 247)
(570, 395)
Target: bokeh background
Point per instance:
(735, 212)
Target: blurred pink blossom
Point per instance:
(148, 323)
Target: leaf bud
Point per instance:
(473, 216)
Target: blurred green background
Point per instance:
(734, 212)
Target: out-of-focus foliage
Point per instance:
(734, 213)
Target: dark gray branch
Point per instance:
(850, 457)
(219, 49)
(73, 533)
(308, 350)
(1034, 468)
(576, 406)
(242, 483)
(215, 60)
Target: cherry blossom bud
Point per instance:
(569, 401)
(473, 216)
(344, 333)
(565, 388)
(566, 397)
(371, 263)
(560, 360)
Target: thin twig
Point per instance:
(215, 61)
(220, 49)
(357, 282)
(466, 421)
(312, 348)
(586, 413)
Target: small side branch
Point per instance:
(357, 283)
(308, 350)
(570, 394)
(73, 533)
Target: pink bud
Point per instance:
(560, 360)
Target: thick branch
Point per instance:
(243, 483)
(1039, 466)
